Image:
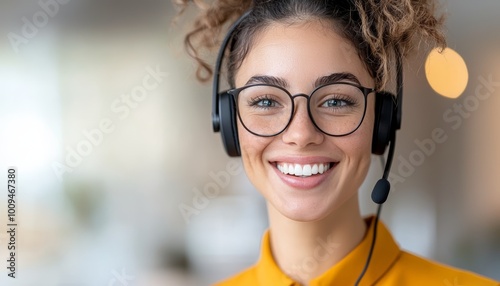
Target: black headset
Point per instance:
(388, 113)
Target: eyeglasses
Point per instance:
(336, 109)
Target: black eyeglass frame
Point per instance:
(236, 91)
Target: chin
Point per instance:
(301, 216)
(304, 210)
(313, 205)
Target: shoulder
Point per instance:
(247, 277)
(412, 269)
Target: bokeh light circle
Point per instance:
(446, 72)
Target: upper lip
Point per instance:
(303, 160)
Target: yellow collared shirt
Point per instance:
(389, 266)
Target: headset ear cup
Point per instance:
(228, 126)
(383, 125)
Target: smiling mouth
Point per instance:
(303, 171)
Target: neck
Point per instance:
(305, 250)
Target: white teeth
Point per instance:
(314, 170)
(306, 171)
(303, 170)
(298, 170)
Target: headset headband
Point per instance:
(217, 71)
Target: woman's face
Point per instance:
(299, 55)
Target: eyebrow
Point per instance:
(281, 82)
(336, 77)
(278, 81)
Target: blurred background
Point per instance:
(122, 182)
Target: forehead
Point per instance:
(300, 53)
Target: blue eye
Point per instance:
(263, 102)
(266, 103)
(335, 103)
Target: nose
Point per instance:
(301, 131)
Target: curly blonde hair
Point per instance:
(378, 29)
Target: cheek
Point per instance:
(366, 128)
(252, 150)
(357, 146)
(360, 142)
(356, 149)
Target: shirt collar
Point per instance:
(267, 270)
(347, 271)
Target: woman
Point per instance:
(304, 78)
